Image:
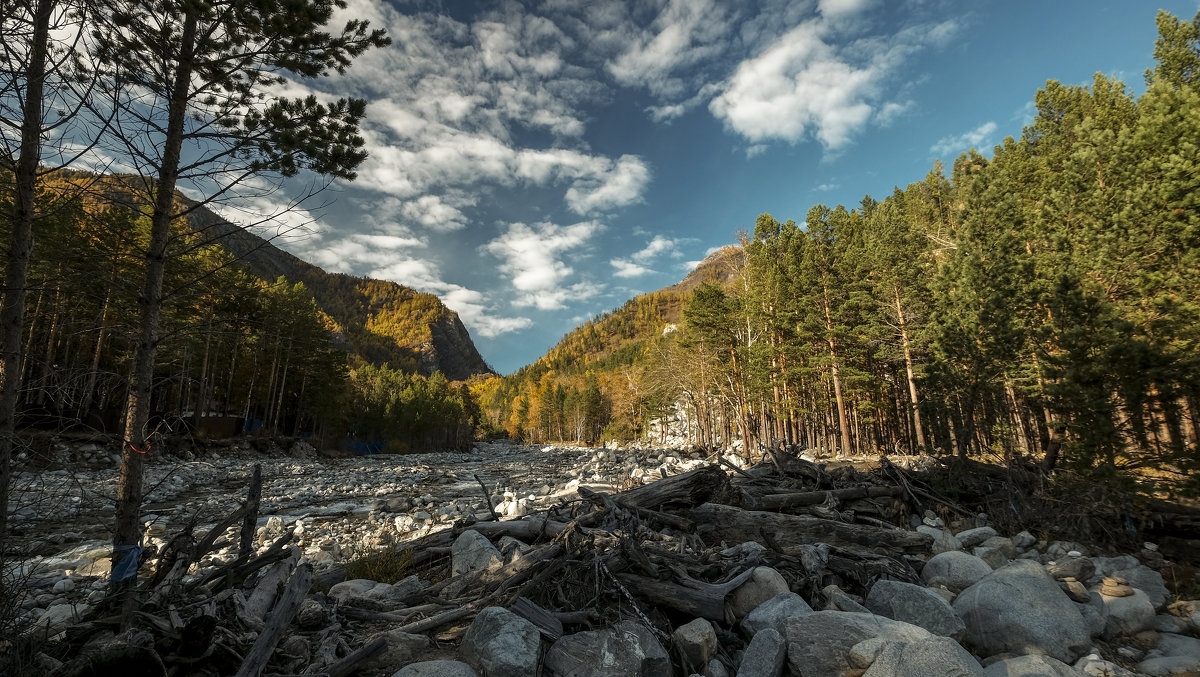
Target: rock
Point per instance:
(839, 600)
(626, 649)
(499, 643)
(819, 643)
(764, 656)
(715, 668)
(762, 585)
(311, 615)
(955, 570)
(1114, 587)
(64, 586)
(399, 649)
(472, 551)
(1095, 615)
(1024, 540)
(357, 587)
(1188, 613)
(943, 541)
(1020, 609)
(1075, 590)
(940, 656)
(1136, 574)
(436, 669)
(1032, 666)
(917, 605)
(1079, 568)
(995, 557)
(1004, 545)
(1095, 666)
(774, 613)
(973, 537)
(696, 642)
(58, 617)
(1127, 614)
(1174, 654)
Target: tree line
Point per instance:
(1044, 302)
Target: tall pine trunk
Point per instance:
(12, 309)
(126, 534)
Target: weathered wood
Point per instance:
(549, 624)
(350, 663)
(707, 484)
(796, 500)
(719, 523)
(263, 596)
(398, 616)
(696, 598)
(604, 500)
(253, 497)
(487, 498)
(277, 622)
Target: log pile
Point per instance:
(680, 548)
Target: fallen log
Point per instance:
(806, 498)
(277, 622)
(717, 523)
(708, 484)
(706, 600)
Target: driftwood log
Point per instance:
(723, 523)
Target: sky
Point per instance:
(535, 164)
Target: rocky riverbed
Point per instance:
(954, 598)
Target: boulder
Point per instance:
(940, 656)
(399, 648)
(436, 669)
(626, 649)
(696, 642)
(1135, 574)
(943, 541)
(955, 570)
(472, 551)
(774, 613)
(1175, 654)
(762, 585)
(1188, 613)
(973, 537)
(499, 643)
(917, 605)
(819, 643)
(1127, 615)
(1095, 666)
(1079, 568)
(764, 656)
(1019, 609)
(1032, 666)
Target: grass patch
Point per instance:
(386, 565)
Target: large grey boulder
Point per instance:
(1175, 654)
(627, 649)
(956, 571)
(764, 656)
(1135, 573)
(1033, 666)
(774, 613)
(500, 643)
(399, 649)
(1127, 615)
(436, 669)
(940, 656)
(1019, 609)
(472, 551)
(914, 604)
(943, 541)
(819, 643)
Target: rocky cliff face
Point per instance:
(423, 334)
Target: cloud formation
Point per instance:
(533, 257)
(950, 146)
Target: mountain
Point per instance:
(614, 339)
(378, 321)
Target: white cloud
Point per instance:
(954, 144)
(619, 184)
(684, 34)
(533, 257)
(658, 246)
(627, 268)
(813, 82)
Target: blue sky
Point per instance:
(535, 164)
